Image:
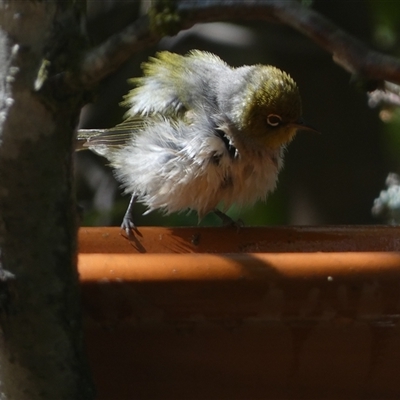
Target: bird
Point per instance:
(200, 135)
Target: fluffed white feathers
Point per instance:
(174, 166)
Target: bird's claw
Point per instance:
(239, 224)
(228, 221)
(128, 226)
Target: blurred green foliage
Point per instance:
(385, 23)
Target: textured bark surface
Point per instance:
(41, 348)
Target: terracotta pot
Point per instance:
(259, 313)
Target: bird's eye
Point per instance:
(274, 120)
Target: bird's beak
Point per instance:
(301, 126)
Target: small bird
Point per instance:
(200, 135)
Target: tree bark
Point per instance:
(41, 344)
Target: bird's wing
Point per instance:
(173, 84)
(159, 90)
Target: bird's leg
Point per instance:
(127, 223)
(228, 221)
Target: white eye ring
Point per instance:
(274, 120)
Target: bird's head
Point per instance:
(271, 110)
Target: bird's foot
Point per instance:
(228, 221)
(127, 223)
(128, 226)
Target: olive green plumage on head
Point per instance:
(272, 105)
(200, 134)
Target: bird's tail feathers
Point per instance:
(117, 136)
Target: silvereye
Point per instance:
(200, 134)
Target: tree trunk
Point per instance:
(41, 348)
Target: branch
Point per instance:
(110, 55)
(347, 51)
